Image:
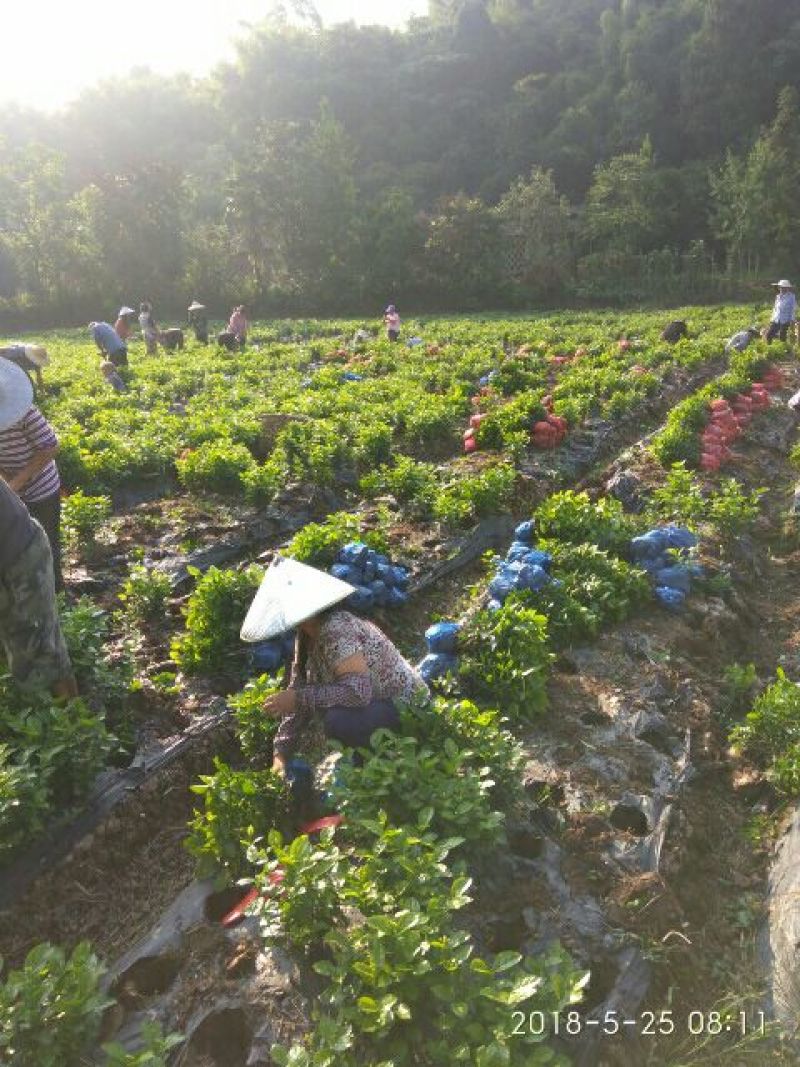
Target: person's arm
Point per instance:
(351, 688)
(43, 441)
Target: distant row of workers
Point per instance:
(113, 340)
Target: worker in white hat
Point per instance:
(124, 324)
(28, 447)
(784, 310)
(346, 671)
(198, 320)
(31, 358)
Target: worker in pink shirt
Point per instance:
(239, 325)
(392, 320)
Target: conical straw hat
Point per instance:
(290, 593)
(195, 306)
(16, 393)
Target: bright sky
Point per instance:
(54, 48)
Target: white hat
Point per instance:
(16, 393)
(125, 310)
(290, 593)
(195, 306)
(782, 284)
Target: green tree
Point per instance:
(537, 232)
(623, 208)
(462, 258)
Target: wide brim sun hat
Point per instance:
(290, 593)
(125, 310)
(196, 306)
(16, 394)
(782, 284)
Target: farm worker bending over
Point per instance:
(345, 670)
(30, 632)
(238, 325)
(198, 320)
(28, 446)
(147, 324)
(783, 312)
(674, 331)
(124, 323)
(112, 376)
(740, 340)
(30, 357)
(109, 343)
(392, 319)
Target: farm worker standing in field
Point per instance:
(198, 320)
(31, 358)
(740, 340)
(783, 312)
(238, 325)
(147, 324)
(346, 671)
(124, 322)
(28, 447)
(392, 320)
(30, 631)
(109, 343)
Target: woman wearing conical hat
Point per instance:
(346, 671)
(198, 320)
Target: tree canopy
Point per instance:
(497, 151)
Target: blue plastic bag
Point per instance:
(535, 557)
(493, 605)
(380, 592)
(396, 598)
(300, 779)
(500, 587)
(442, 636)
(437, 665)
(400, 575)
(525, 532)
(369, 572)
(362, 600)
(385, 572)
(346, 573)
(533, 577)
(677, 577)
(517, 551)
(355, 554)
(267, 656)
(649, 545)
(679, 537)
(670, 598)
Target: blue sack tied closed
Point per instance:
(680, 537)
(442, 636)
(517, 551)
(500, 587)
(525, 532)
(437, 665)
(267, 656)
(677, 577)
(396, 598)
(649, 545)
(670, 598)
(356, 554)
(346, 573)
(535, 557)
(362, 600)
(380, 592)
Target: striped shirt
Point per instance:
(19, 444)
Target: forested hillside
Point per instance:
(515, 152)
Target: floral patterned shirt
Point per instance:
(343, 635)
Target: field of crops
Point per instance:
(523, 864)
